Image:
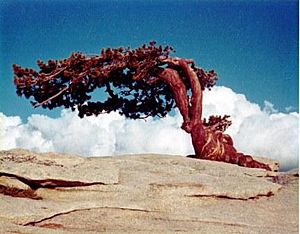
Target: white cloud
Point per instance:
(262, 132)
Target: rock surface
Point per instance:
(58, 193)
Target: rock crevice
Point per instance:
(48, 183)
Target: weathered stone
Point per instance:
(146, 194)
(49, 166)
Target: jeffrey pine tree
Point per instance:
(137, 83)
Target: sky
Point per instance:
(252, 45)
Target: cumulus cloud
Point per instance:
(255, 130)
(107, 134)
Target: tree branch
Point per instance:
(54, 96)
(56, 73)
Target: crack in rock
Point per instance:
(33, 223)
(269, 194)
(48, 183)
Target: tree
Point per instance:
(138, 83)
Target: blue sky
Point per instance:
(252, 45)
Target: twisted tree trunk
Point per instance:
(208, 143)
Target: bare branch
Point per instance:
(54, 96)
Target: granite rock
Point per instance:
(147, 193)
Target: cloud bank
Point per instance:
(256, 131)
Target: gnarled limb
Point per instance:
(196, 99)
(195, 110)
(172, 78)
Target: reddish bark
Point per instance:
(172, 78)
